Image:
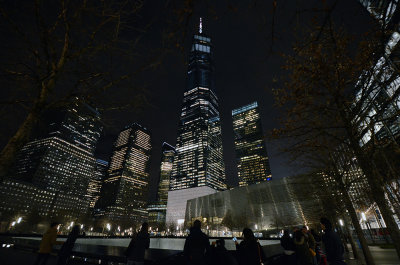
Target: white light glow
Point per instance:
(363, 216)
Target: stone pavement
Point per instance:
(381, 256)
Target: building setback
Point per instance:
(124, 193)
(251, 152)
(198, 162)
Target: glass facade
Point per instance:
(157, 210)
(124, 192)
(78, 124)
(251, 152)
(23, 198)
(167, 160)
(273, 205)
(57, 166)
(198, 161)
(98, 176)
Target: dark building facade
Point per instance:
(78, 123)
(98, 176)
(57, 168)
(199, 155)
(124, 192)
(251, 152)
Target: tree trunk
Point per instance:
(376, 185)
(378, 195)
(20, 138)
(354, 219)
(352, 243)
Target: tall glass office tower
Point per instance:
(167, 160)
(199, 160)
(157, 210)
(198, 168)
(124, 192)
(251, 153)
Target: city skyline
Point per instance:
(163, 120)
(244, 65)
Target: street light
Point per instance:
(72, 224)
(13, 223)
(341, 222)
(19, 220)
(108, 227)
(81, 226)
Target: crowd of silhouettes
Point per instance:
(301, 246)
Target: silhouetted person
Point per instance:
(310, 238)
(332, 244)
(249, 250)
(49, 239)
(310, 241)
(289, 248)
(138, 246)
(197, 245)
(66, 249)
(317, 238)
(220, 255)
(303, 254)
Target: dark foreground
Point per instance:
(11, 256)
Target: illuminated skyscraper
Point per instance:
(61, 164)
(79, 124)
(199, 160)
(167, 160)
(124, 192)
(96, 181)
(198, 167)
(157, 210)
(251, 153)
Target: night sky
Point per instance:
(247, 60)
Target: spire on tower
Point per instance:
(201, 26)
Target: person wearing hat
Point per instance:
(333, 245)
(49, 239)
